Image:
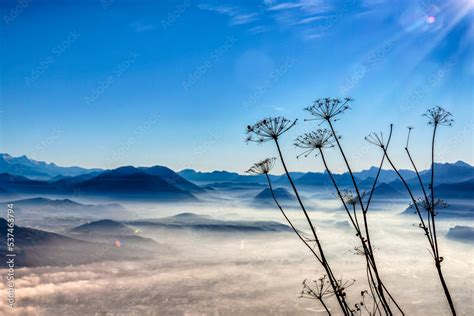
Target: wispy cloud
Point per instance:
(284, 6)
(309, 19)
(305, 6)
(243, 18)
(237, 16)
(221, 9)
(259, 29)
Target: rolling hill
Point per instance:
(206, 223)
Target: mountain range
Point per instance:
(158, 182)
(24, 175)
(24, 166)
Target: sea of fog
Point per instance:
(244, 273)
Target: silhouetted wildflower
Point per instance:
(321, 138)
(320, 288)
(268, 129)
(262, 167)
(358, 251)
(425, 204)
(350, 197)
(438, 116)
(328, 108)
(377, 139)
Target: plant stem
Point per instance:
(433, 214)
(325, 307)
(432, 206)
(289, 221)
(431, 242)
(368, 253)
(424, 191)
(340, 298)
(385, 304)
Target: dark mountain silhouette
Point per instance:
(367, 183)
(22, 184)
(67, 207)
(454, 209)
(24, 166)
(104, 226)
(214, 176)
(233, 185)
(283, 179)
(323, 179)
(449, 173)
(386, 175)
(65, 181)
(207, 223)
(461, 190)
(128, 181)
(445, 173)
(27, 237)
(172, 178)
(385, 190)
(461, 233)
(34, 247)
(224, 176)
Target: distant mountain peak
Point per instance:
(40, 170)
(461, 163)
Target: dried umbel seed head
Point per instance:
(320, 288)
(319, 139)
(350, 197)
(438, 116)
(376, 139)
(328, 108)
(262, 167)
(268, 129)
(425, 204)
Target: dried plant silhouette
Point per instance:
(270, 129)
(377, 300)
(321, 288)
(425, 206)
(328, 110)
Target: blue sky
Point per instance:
(107, 83)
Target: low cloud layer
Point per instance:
(241, 274)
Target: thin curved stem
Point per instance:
(340, 298)
(430, 240)
(289, 221)
(385, 303)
